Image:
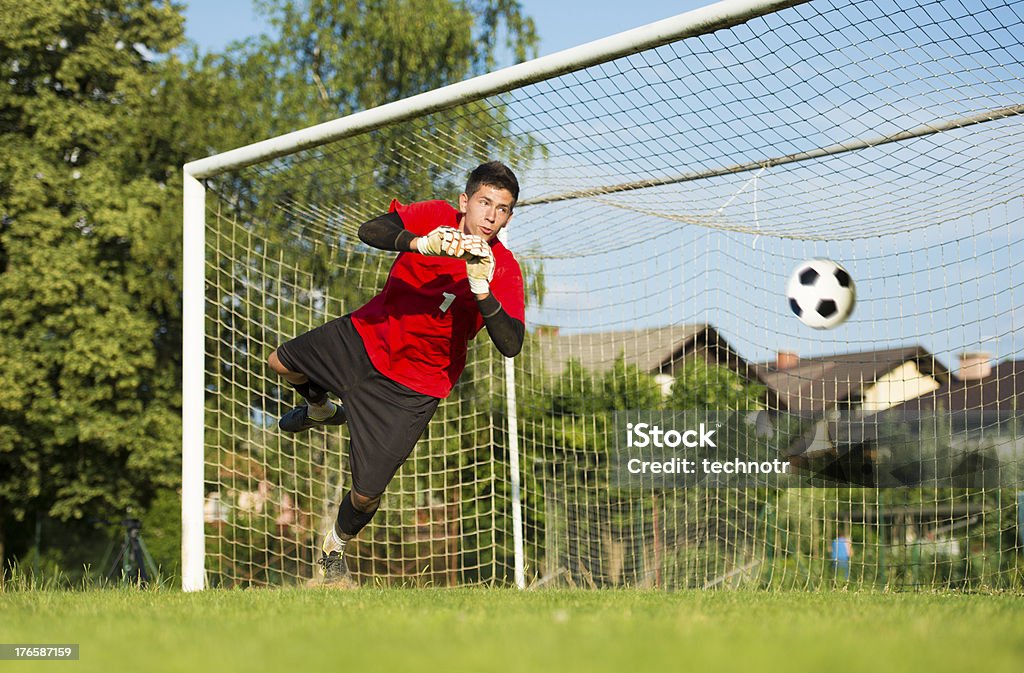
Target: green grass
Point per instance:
(376, 631)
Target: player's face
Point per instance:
(485, 211)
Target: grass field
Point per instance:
(372, 631)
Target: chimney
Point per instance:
(786, 360)
(975, 366)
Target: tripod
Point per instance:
(132, 563)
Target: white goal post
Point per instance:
(722, 14)
(731, 142)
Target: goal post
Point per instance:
(673, 175)
(193, 386)
(721, 14)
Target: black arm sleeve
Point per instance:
(505, 331)
(386, 232)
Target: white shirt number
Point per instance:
(448, 299)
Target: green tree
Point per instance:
(702, 385)
(96, 118)
(346, 57)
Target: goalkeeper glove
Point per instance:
(448, 242)
(475, 246)
(480, 271)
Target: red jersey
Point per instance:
(417, 329)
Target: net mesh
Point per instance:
(667, 196)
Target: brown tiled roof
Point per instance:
(658, 350)
(816, 384)
(649, 349)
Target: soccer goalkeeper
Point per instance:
(390, 362)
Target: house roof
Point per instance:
(1000, 390)
(656, 350)
(816, 384)
(649, 349)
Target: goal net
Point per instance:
(673, 177)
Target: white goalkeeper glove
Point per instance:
(475, 246)
(480, 271)
(448, 242)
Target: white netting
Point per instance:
(666, 197)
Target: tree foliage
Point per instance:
(346, 56)
(702, 385)
(99, 109)
(89, 250)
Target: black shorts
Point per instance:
(385, 418)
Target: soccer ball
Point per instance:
(821, 293)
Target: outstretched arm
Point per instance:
(388, 233)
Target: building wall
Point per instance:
(899, 385)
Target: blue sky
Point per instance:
(949, 306)
(560, 23)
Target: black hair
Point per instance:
(493, 174)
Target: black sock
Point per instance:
(351, 520)
(311, 392)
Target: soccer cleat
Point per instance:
(333, 569)
(298, 419)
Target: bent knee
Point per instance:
(364, 503)
(275, 363)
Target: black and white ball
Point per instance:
(821, 293)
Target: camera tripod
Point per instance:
(132, 563)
